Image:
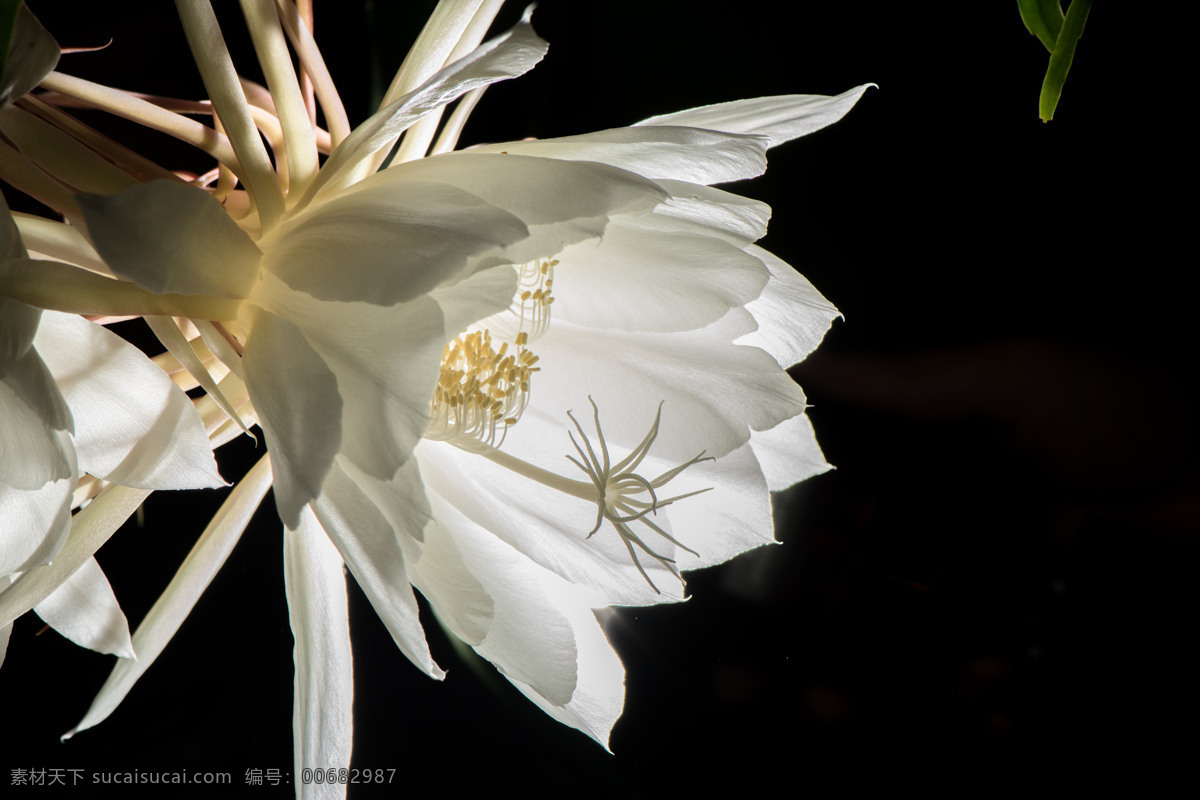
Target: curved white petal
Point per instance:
(89, 530)
(5, 627)
(676, 153)
(133, 425)
(543, 524)
(528, 637)
(33, 422)
(713, 391)
(171, 238)
(641, 278)
(730, 515)
(739, 220)
(788, 453)
(84, 609)
(36, 521)
(387, 240)
(599, 694)
(780, 119)
(507, 56)
(324, 683)
(303, 428)
(543, 193)
(368, 370)
(792, 316)
(369, 543)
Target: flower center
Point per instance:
(483, 389)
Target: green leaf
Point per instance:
(1062, 56)
(1043, 19)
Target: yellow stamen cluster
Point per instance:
(481, 390)
(530, 309)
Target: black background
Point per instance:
(998, 581)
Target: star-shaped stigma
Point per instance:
(624, 496)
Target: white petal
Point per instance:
(528, 638)
(303, 428)
(507, 56)
(739, 220)
(324, 684)
(545, 525)
(713, 391)
(544, 193)
(487, 292)
(780, 118)
(599, 694)
(133, 425)
(383, 362)
(792, 316)
(788, 453)
(36, 521)
(171, 238)
(33, 421)
(643, 279)
(5, 628)
(5, 633)
(90, 529)
(368, 543)
(84, 609)
(387, 240)
(673, 153)
(181, 594)
(731, 515)
(461, 602)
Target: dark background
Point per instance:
(998, 581)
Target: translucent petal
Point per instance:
(133, 425)
(369, 372)
(788, 453)
(528, 638)
(780, 119)
(371, 548)
(543, 193)
(543, 524)
(303, 428)
(640, 278)
(172, 238)
(84, 609)
(599, 694)
(36, 521)
(675, 153)
(506, 56)
(387, 240)
(731, 515)
(33, 422)
(324, 682)
(89, 530)
(792, 316)
(713, 391)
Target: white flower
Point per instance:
(530, 379)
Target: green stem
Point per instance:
(1061, 58)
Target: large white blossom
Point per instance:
(530, 379)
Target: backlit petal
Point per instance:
(84, 610)
(133, 425)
